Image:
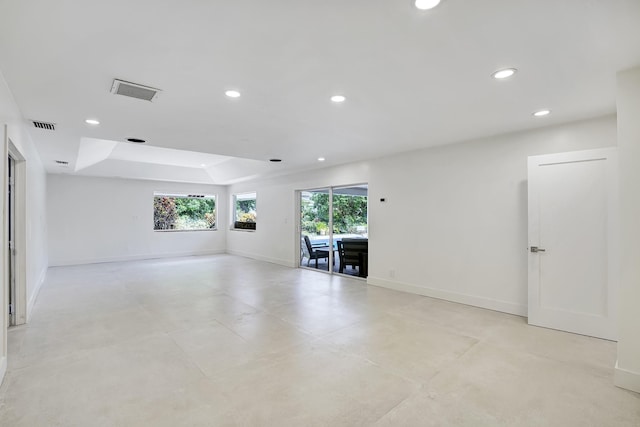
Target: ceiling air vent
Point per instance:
(134, 90)
(62, 163)
(44, 125)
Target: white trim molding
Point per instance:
(476, 301)
(626, 379)
(34, 295)
(134, 258)
(3, 368)
(284, 262)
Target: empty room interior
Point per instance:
(342, 213)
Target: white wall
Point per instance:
(628, 366)
(466, 207)
(34, 246)
(454, 224)
(111, 219)
(37, 257)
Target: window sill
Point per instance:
(241, 225)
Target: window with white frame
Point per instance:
(184, 212)
(244, 211)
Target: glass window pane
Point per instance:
(351, 230)
(184, 212)
(244, 213)
(314, 229)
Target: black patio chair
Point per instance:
(309, 252)
(354, 253)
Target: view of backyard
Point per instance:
(244, 214)
(184, 213)
(245, 209)
(349, 214)
(344, 248)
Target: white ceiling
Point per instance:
(412, 78)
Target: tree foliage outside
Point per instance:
(349, 214)
(246, 210)
(183, 213)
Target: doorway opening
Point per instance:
(11, 233)
(334, 230)
(14, 278)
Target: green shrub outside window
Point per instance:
(184, 212)
(244, 214)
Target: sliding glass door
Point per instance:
(315, 237)
(327, 216)
(351, 230)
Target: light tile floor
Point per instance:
(226, 341)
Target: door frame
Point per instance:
(19, 222)
(298, 228)
(612, 225)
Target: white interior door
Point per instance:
(572, 242)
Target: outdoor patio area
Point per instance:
(316, 256)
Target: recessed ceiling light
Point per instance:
(202, 165)
(232, 94)
(338, 98)
(504, 74)
(426, 4)
(542, 113)
(321, 159)
(92, 122)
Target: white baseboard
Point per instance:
(626, 379)
(476, 301)
(36, 291)
(3, 368)
(284, 262)
(133, 258)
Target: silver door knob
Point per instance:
(535, 249)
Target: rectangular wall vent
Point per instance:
(44, 125)
(134, 90)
